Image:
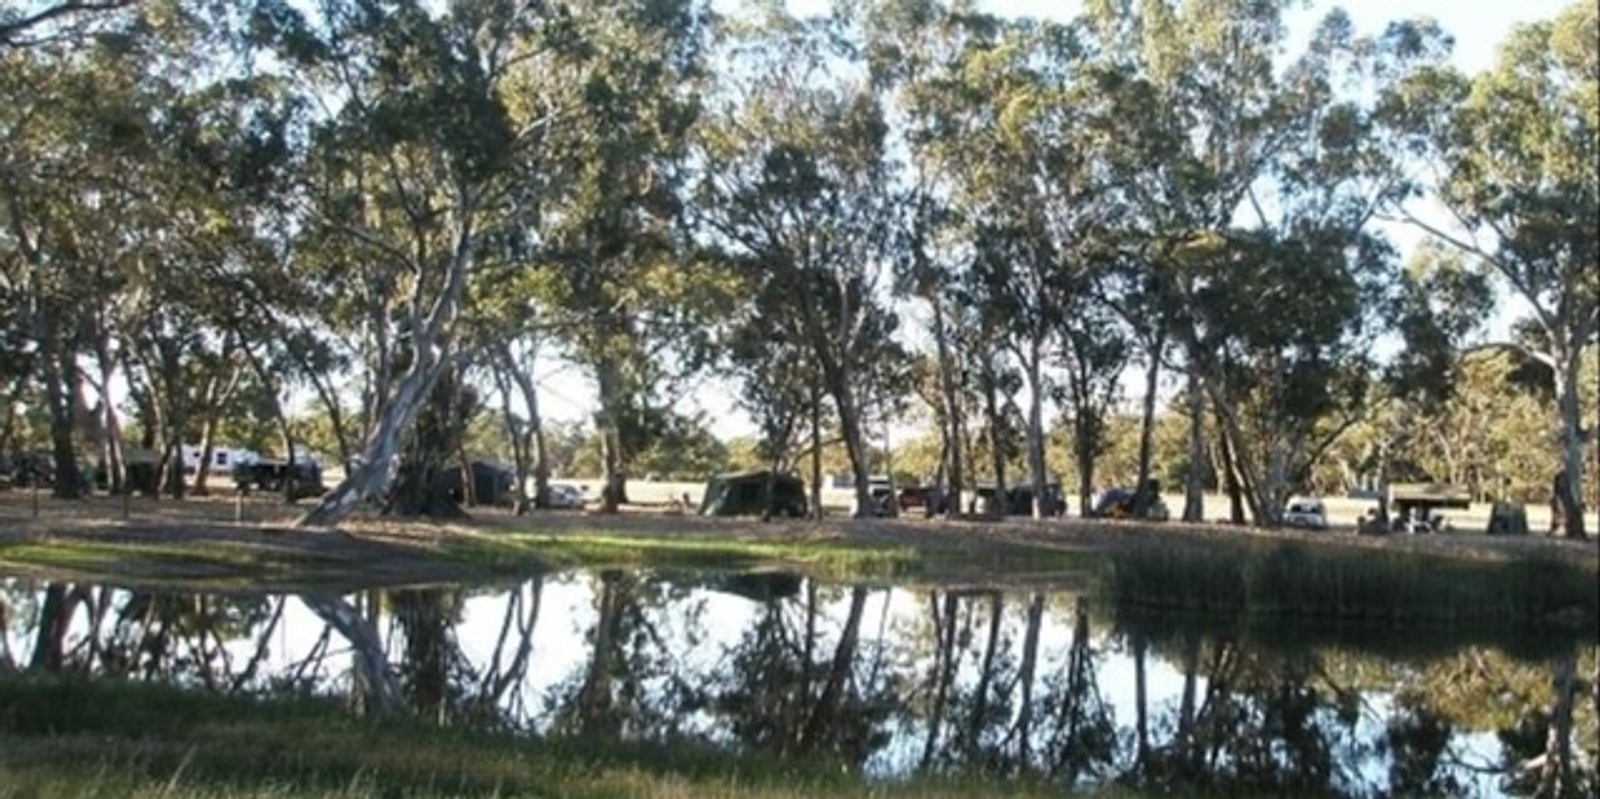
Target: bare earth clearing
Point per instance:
(198, 534)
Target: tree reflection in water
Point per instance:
(884, 680)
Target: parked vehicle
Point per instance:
(1019, 500)
(563, 496)
(1306, 513)
(270, 474)
(1415, 506)
(930, 501)
(492, 483)
(882, 493)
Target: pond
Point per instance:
(889, 680)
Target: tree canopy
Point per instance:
(897, 209)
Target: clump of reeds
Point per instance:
(1346, 583)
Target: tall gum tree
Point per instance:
(119, 169)
(1511, 155)
(914, 48)
(989, 125)
(1273, 171)
(415, 155)
(1286, 385)
(797, 193)
(1207, 69)
(629, 291)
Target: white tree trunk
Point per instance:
(1572, 439)
(1194, 502)
(429, 355)
(380, 456)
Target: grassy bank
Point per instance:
(225, 558)
(1277, 578)
(62, 738)
(207, 554)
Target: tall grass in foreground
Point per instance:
(67, 738)
(1288, 578)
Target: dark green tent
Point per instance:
(745, 494)
(492, 483)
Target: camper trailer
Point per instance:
(223, 459)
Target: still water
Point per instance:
(890, 680)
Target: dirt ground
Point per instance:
(260, 527)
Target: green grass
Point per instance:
(1302, 580)
(168, 563)
(601, 549)
(458, 558)
(65, 738)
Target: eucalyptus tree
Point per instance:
(1271, 180)
(1510, 157)
(1095, 350)
(114, 176)
(797, 192)
(48, 162)
(779, 389)
(949, 68)
(637, 303)
(417, 149)
(512, 368)
(1214, 122)
(913, 46)
(208, 300)
(509, 330)
(1290, 384)
(1028, 172)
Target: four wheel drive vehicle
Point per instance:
(1414, 506)
(1421, 521)
(1019, 500)
(883, 498)
(929, 500)
(269, 475)
(1308, 514)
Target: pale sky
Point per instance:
(1478, 26)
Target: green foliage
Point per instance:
(685, 448)
(796, 195)
(1442, 299)
(224, 208)
(1514, 147)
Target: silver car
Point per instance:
(565, 497)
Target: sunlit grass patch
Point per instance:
(603, 549)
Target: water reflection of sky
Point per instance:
(700, 628)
